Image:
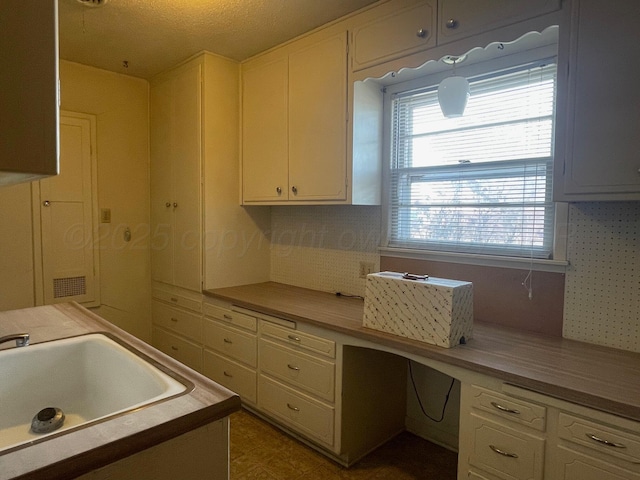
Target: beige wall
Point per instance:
(16, 250)
(121, 106)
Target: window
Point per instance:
(480, 183)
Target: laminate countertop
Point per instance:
(76, 452)
(599, 377)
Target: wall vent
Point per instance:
(69, 287)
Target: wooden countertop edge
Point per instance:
(477, 356)
(216, 403)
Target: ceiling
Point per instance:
(153, 35)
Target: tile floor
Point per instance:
(261, 451)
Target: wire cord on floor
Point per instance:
(415, 389)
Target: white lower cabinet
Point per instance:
(236, 377)
(296, 383)
(303, 413)
(519, 434)
(177, 324)
(230, 355)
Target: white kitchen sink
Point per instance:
(89, 378)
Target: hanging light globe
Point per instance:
(453, 94)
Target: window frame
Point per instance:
(557, 263)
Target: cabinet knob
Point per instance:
(278, 190)
(175, 205)
(294, 189)
(168, 204)
(422, 33)
(46, 203)
(451, 23)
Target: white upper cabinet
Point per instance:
(397, 30)
(265, 156)
(294, 124)
(598, 133)
(29, 98)
(462, 18)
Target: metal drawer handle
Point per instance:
(174, 299)
(226, 340)
(227, 374)
(502, 408)
(173, 319)
(502, 452)
(294, 338)
(228, 317)
(451, 23)
(608, 443)
(422, 33)
(291, 407)
(293, 367)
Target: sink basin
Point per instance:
(90, 378)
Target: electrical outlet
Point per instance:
(105, 215)
(366, 268)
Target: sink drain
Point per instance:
(47, 420)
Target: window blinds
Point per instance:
(480, 183)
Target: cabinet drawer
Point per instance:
(182, 350)
(516, 410)
(505, 452)
(181, 321)
(178, 300)
(299, 369)
(231, 342)
(299, 339)
(391, 36)
(304, 414)
(572, 465)
(232, 375)
(231, 316)
(602, 438)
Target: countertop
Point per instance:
(77, 452)
(599, 377)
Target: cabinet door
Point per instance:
(400, 33)
(265, 132)
(318, 120)
(601, 160)
(176, 211)
(29, 100)
(186, 160)
(161, 184)
(463, 18)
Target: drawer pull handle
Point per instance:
(502, 452)
(174, 348)
(291, 407)
(226, 340)
(227, 374)
(603, 441)
(502, 408)
(174, 299)
(227, 316)
(294, 338)
(293, 367)
(173, 319)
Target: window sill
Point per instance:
(535, 264)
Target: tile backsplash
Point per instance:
(602, 288)
(320, 247)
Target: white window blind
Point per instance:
(480, 183)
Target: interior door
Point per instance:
(69, 254)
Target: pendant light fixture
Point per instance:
(453, 91)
